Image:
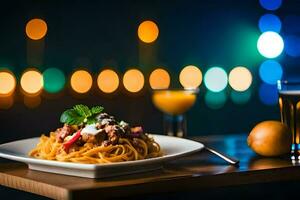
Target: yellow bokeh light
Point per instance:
(148, 31)
(7, 83)
(240, 78)
(81, 81)
(36, 29)
(159, 79)
(32, 81)
(108, 81)
(190, 77)
(133, 80)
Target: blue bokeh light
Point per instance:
(270, 4)
(215, 100)
(292, 45)
(270, 71)
(240, 98)
(269, 22)
(268, 94)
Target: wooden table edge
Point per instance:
(32, 186)
(180, 184)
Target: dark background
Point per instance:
(96, 34)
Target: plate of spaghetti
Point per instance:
(93, 144)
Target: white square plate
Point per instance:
(172, 148)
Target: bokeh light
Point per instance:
(190, 77)
(133, 80)
(270, 44)
(240, 78)
(292, 45)
(54, 80)
(270, 71)
(215, 100)
(31, 81)
(159, 79)
(32, 102)
(108, 81)
(240, 98)
(36, 29)
(81, 81)
(148, 31)
(7, 83)
(215, 79)
(269, 22)
(270, 4)
(268, 94)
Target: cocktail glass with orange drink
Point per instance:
(174, 104)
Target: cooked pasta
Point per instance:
(49, 148)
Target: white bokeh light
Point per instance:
(270, 44)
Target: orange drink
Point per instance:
(174, 103)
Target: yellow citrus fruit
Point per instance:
(270, 138)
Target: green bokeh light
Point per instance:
(215, 79)
(54, 80)
(215, 100)
(240, 98)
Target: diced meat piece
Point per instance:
(102, 116)
(105, 119)
(63, 132)
(106, 143)
(114, 132)
(137, 131)
(96, 139)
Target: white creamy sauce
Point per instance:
(90, 129)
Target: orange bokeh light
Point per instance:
(148, 31)
(159, 79)
(7, 83)
(108, 81)
(81, 81)
(133, 80)
(36, 29)
(190, 77)
(240, 78)
(32, 81)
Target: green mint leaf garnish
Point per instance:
(91, 120)
(71, 117)
(82, 110)
(97, 109)
(80, 115)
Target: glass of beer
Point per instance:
(174, 103)
(289, 102)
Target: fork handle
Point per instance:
(228, 159)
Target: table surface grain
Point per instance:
(198, 171)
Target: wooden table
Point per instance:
(198, 171)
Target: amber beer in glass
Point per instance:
(289, 102)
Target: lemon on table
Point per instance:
(270, 138)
